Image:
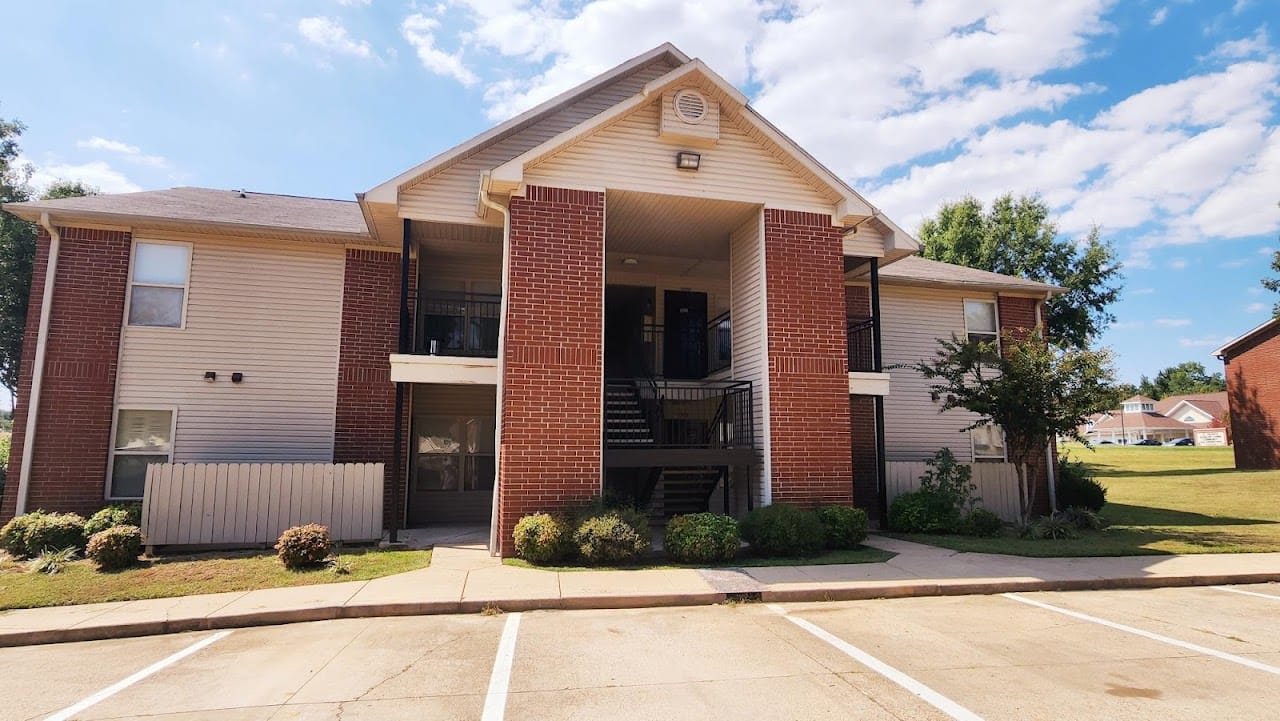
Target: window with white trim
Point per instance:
(980, 325)
(143, 437)
(158, 286)
(988, 443)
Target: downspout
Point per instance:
(37, 375)
(1050, 458)
(877, 355)
(402, 347)
(502, 210)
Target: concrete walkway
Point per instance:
(464, 578)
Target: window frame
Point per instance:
(466, 459)
(186, 287)
(1004, 446)
(112, 451)
(995, 313)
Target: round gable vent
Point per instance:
(690, 106)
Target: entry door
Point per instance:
(685, 328)
(627, 311)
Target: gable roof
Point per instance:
(1140, 421)
(1255, 334)
(914, 270)
(207, 207)
(1138, 399)
(1214, 404)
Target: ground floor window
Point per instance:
(454, 453)
(142, 437)
(988, 443)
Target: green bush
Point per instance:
(923, 512)
(784, 530)
(1083, 518)
(702, 538)
(303, 546)
(117, 514)
(981, 522)
(114, 548)
(52, 560)
(843, 527)
(31, 534)
(542, 538)
(1050, 528)
(1077, 486)
(608, 538)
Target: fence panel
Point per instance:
(997, 484)
(245, 503)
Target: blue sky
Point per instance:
(1156, 120)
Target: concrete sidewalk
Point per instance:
(464, 578)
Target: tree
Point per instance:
(1273, 284)
(1182, 379)
(1015, 237)
(1036, 391)
(18, 250)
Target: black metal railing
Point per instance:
(861, 339)
(457, 324)
(719, 343)
(693, 414)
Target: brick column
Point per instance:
(73, 431)
(365, 415)
(553, 369)
(1018, 317)
(808, 370)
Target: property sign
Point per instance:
(1211, 437)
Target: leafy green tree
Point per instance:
(1182, 379)
(1273, 284)
(1015, 237)
(1036, 391)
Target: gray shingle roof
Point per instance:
(211, 206)
(914, 270)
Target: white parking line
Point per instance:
(495, 701)
(1245, 593)
(1148, 634)
(917, 689)
(119, 686)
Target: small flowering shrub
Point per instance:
(117, 514)
(608, 538)
(31, 534)
(303, 546)
(542, 538)
(115, 548)
(702, 538)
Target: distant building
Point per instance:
(1136, 420)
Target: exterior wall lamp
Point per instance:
(686, 160)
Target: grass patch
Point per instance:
(861, 554)
(186, 575)
(1160, 500)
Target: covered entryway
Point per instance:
(452, 453)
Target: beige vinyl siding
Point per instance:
(750, 345)
(913, 321)
(271, 311)
(629, 155)
(450, 195)
(868, 242)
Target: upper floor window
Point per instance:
(158, 285)
(980, 324)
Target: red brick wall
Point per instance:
(364, 430)
(1018, 316)
(69, 465)
(1253, 387)
(553, 356)
(808, 377)
(857, 301)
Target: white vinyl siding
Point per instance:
(913, 321)
(868, 242)
(750, 343)
(629, 155)
(271, 311)
(450, 195)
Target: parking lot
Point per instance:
(1188, 653)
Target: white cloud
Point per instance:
(1256, 45)
(329, 34)
(1172, 322)
(1178, 264)
(1159, 16)
(419, 31)
(1127, 325)
(1266, 250)
(1237, 263)
(354, 3)
(97, 174)
(131, 153)
(1255, 307)
(1208, 341)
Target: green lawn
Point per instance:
(1160, 500)
(861, 554)
(186, 575)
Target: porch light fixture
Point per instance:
(211, 376)
(237, 377)
(686, 160)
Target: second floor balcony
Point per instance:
(457, 324)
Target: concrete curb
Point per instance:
(852, 592)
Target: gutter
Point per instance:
(37, 376)
(488, 202)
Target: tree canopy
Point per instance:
(1015, 237)
(1273, 284)
(1182, 379)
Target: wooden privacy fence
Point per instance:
(997, 484)
(248, 503)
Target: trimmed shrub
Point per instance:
(784, 530)
(115, 547)
(609, 539)
(1083, 519)
(1050, 528)
(923, 512)
(303, 546)
(843, 527)
(117, 514)
(981, 522)
(1078, 487)
(702, 538)
(31, 534)
(13, 536)
(542, 538)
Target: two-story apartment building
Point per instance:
(639, 288)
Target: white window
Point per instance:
(143, 436)
(988, 443)
(158, 287)
(980, 323)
